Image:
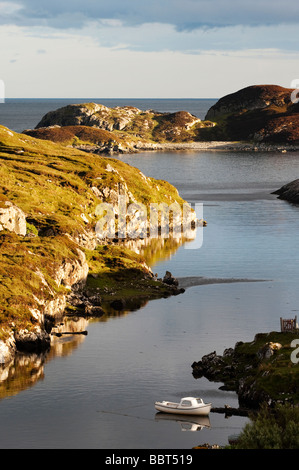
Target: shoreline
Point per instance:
(218, 145)
(192, 281)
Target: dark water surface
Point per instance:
(99, 391)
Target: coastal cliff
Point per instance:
(259, 115)
(52, 256)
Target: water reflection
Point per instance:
(158, 249)
(194, 423)
(69, 332)
(25, 370)
(21, 373)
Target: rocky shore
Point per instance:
(220, 145)
(259, 372)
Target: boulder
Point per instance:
(170, 279)
(268, 350)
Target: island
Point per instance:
(259, 117)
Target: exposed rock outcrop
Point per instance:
(96, 128)
(12, 218)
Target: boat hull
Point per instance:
(173, 408)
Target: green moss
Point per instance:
(277, 376)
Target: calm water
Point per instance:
(99, 391)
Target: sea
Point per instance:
(98, 391)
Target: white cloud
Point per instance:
(128, 48)
(76, 66)
(9, 8)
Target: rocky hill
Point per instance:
(262, 113)
(51, 254)
(97, 128)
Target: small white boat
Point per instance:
(187, 406)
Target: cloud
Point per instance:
(185, 15)
(77, 67)
(146, 49)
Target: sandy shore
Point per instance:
(219, 145)
(200, 281)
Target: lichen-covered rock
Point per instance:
(12, 218)
(73, 273)
(268, 350)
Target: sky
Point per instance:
(146, 49)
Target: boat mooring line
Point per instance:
(124, 414)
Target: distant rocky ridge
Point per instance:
(259, 114)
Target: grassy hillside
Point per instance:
(58, 189)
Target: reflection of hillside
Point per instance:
(27, 369)
(65, 344)
(159, 249)
(21, 374)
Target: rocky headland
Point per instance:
(259, 372)
(259, 118)
(54, 260)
